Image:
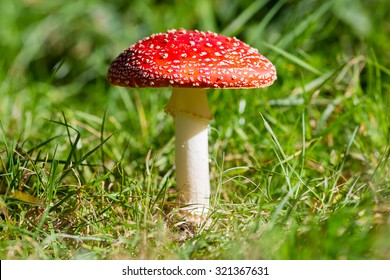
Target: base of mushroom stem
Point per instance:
(194, 215)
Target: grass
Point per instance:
(298, 171)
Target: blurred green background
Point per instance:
(56, 53)
(331, 96)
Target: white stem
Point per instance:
(192, 163)
(189, 107)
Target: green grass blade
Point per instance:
(239, 23)
(294, 59)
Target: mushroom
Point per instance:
(190, 62)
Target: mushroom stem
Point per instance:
(189, 108)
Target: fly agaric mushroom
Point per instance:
(190, 62)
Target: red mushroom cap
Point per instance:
(187, 58)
